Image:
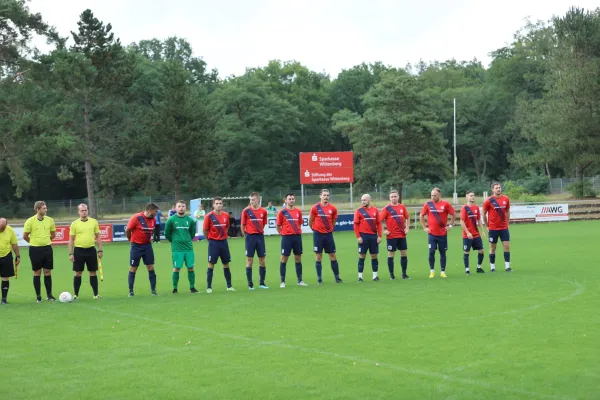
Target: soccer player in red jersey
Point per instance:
(367, 229)
(497, 207)
(397, 221)
(215, 228)
(254, 219)
(322, 221)
(289, 225)
(139, 233)
(437, 212)
(469, 220)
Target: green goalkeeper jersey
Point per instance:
(180, 231)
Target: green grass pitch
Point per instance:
(532, 334)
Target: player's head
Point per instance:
(270, 203)
(3, 223)
(365, 200)
(496, 188)
(254, 199)
(200, 206)
(82, 210)
(180, 207)
(394, 197)
(290, 199)
(435, 194)
(151, 210)
(40, 208)
(324, 196)
(217, 203)
(470, 196)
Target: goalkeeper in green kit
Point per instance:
(179, 231)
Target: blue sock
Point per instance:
(131, 280)
(299, 271)
(361, 264)
(507, 256)
(492, 258)
(262, 273)
(466, 260)
(391, 265)
(319, 267)
(443, 260)
(375, 265)
(336, 269)
(282, 271)
(479, 259)
(152, 278)
(209, 276)
(404, 264)
(249, 275)
(431, 259)
(227, 273)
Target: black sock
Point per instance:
(209, 276)
(37, 285)
(319, 267)
(479, 259)
(361, 264)
(336, 269)
(443, 260)
(466, 260)
(48, 285)
(249, 276)
(131, 280)
(507, 256)
(282, 271)
(5, 285)
(404, 264)
(76, 285)
(431, 259)
(375, 265)
(152, 278)
(299, 271)
(391, 265)
(227, 273)
(492, 258)
(262, 273)
(94, 284)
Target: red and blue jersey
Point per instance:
(437, 216)
(496, 208)
(324, 217)
(254, 220)
(366, 220)
(141, 228)
(396, 218)
(216, 225)
(290, 221)
(471, 216)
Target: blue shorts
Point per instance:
(437, 242)
(396, 244)
(289, 243)
(141, 252)
(323, 242)
(475, 244)
(255, 243)
(503, 235)
(369, 244)
(218, 249)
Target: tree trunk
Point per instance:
(89, 174)
(484, 164)
(177, 182)
(400, 192)
(476, 164)
(549, 177)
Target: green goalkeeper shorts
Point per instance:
(181, 257)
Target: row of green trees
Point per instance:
(97, 118)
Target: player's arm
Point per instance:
(334, 218)
(379, 228)
(169, 230)
(453, 215)
(485, 212)
(382, 217)
(52, 231)
(507, 212)
(463, 222)
(243, 222)
(279, 222)
(14, 242)
(422, 219)
(70, 245)
(357, 216)
(27, 231)
(311, 218)
(192, 230)
(206, 227)
(130, 227)
(406, 221)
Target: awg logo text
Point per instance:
(552, 210)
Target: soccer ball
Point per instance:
(65, 297)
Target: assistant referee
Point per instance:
(84, 235)
(39, 231)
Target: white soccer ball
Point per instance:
(65, 297)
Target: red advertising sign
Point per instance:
(62, 235)
(106, 233)
(330, 167)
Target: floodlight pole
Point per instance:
(455, 196)
(302, 194)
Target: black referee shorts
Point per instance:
(41, 257)
(7, 268)
(85, 257)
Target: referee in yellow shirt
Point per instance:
(85, 235)
(8, 244)
(39, 231)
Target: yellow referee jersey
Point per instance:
(7, 239)
(85, 232)
(39, 230)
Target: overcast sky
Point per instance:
(324, 35)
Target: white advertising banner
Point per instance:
(19, 233)
(523, 213)
(552, 212)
